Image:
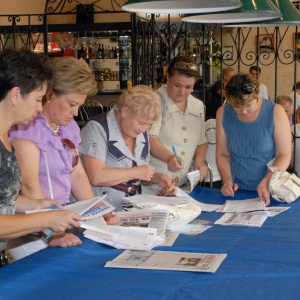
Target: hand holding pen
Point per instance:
(229, 187)
(175, 162)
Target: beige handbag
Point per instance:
(284, 186)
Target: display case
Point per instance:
(109, 56)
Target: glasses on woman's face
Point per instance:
(186, 65)
(69, 146)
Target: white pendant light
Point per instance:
(180, 6)
(251, 11)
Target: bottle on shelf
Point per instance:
(102, 51)
(99, 52)
(112, 53)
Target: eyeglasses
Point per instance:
(246, 90)
(69, 146)
(186, 65)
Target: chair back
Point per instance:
(89, 109)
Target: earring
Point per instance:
(48, 101)
(14, 105)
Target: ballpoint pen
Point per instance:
(174, 151)
(233, 182)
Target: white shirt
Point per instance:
(263, 91)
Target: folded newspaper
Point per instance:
(91, 212)
(138, 229)
(167, 260)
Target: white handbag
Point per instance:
(284, 186)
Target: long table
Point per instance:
(261, 263)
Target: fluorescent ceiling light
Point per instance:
(252, 11)
(180, 6)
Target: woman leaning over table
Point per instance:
(115, 147)
(47, 147)
(181, 124)
(23, 83)
(250, 133)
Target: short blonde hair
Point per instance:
(241, 90)
(142, 100)
(72, 75)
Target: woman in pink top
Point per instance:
(47, 147)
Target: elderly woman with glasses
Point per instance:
(250, 133)
(177, 137)
(46, 148)
(115, 147)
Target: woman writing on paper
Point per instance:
(250, 133)
(47, 147)
(180, 125)
(23, 83)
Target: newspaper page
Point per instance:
(247, 219)
(274, 211)
(194, 178)
(97, 224)
(242, 206)
(145, 218)
(197, 226)
(91, 208)
(138, 200)
(167, 260)
(203, 206)
(127, 237)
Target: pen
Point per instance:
(233, 182)
(174, 151)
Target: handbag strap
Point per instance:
(48, 176)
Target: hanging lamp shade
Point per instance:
(251, 11)
(180, 6)
(290, 16)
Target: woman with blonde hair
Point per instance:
(115, 147)
(46, 148)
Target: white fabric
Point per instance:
(263, 91)
(297, 99)
(210, 156)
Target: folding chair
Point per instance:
(89, 109)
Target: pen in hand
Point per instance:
(174, 152)
(233, 182)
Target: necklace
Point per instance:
(56, 130)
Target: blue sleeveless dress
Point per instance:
(250, 144)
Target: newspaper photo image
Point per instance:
(168, 260)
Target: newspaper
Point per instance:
(246, 219)
(274, 211)
(91, 208)
(203, 206)
(145, 218)
(138, 229)
(167, 260)
(242, 206)
(136, 238)
(197, 226)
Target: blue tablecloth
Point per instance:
(261, 263)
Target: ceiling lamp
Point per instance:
(290, 16)
(180, 6)
(252, 11)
